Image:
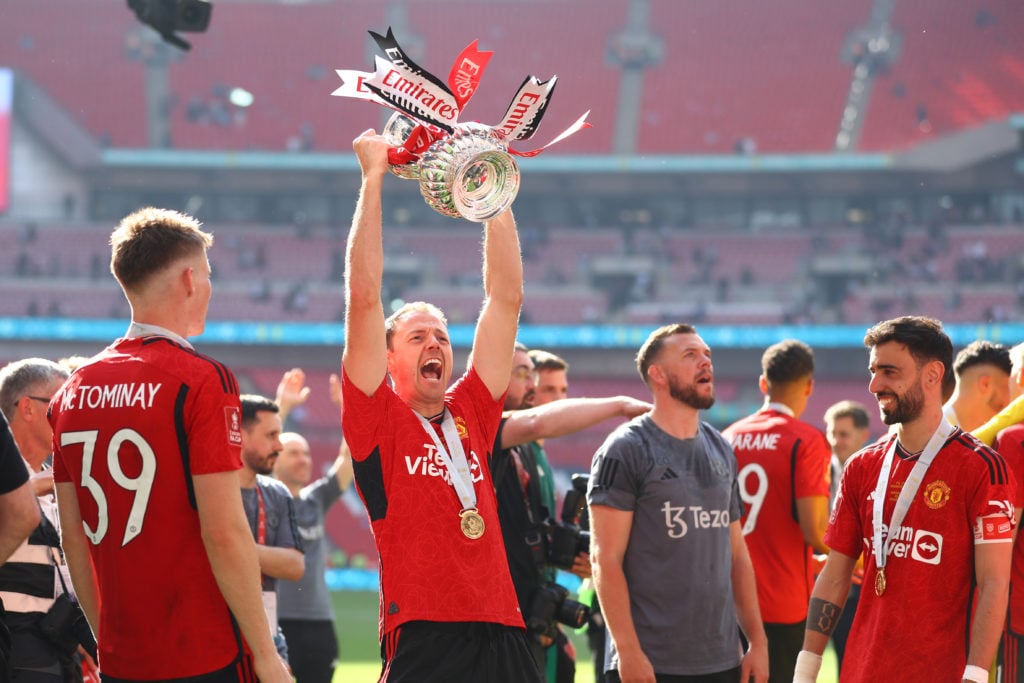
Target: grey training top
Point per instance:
(280, 517)
(308, 598)
(683, 495)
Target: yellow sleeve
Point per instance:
(1010, 415)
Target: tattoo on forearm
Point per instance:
(822, 616)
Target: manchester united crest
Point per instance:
(460, 427)
(936, 494)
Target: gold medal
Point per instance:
(880, 581)
(472, 523)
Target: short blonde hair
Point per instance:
(149, 240)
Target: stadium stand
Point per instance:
(958, 67)
(780, 89)
(965, 273)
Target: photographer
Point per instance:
(536, 544)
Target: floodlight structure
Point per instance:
(168, 16)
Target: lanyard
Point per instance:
(458, 468)
(261, 517)
(910, 486)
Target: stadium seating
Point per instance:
(740, 73)
(960, 274)
(743, 70)
(959, 66)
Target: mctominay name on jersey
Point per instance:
(125, 395)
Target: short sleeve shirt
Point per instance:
(429, 570)
(683, 495)
(280, 517)
(918, 629)
(130, 430)
(781, 459)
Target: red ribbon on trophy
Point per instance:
(399, 83)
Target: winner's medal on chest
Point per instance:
(471, 522)
(881, 542)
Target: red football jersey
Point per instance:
(130, 428)
(429, 570)
(780, 459)
(917, 630)
(1010, 444)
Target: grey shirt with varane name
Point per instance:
(683, 494)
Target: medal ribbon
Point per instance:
(458, 467)
(880, 544)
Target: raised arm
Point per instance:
(342, 467)
(365, 355)
(503, 297)
(291, 392)
(566, 416)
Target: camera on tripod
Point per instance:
(569, 536)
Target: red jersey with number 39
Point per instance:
(130, 429)
(780, 460)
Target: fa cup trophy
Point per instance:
(463, 169)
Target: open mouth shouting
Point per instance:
(431, 370)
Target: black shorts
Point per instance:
(784, 644)
(239, 671)
(457, 652)
(312, 649)
(1011, 657)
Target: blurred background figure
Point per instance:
(784, 469)
(982, 371)
(848, 429)
(304, 607)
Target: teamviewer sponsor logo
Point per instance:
(915, 544)
(432, 465)
(927, 547)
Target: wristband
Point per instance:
(807, 667)
(975, 673)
